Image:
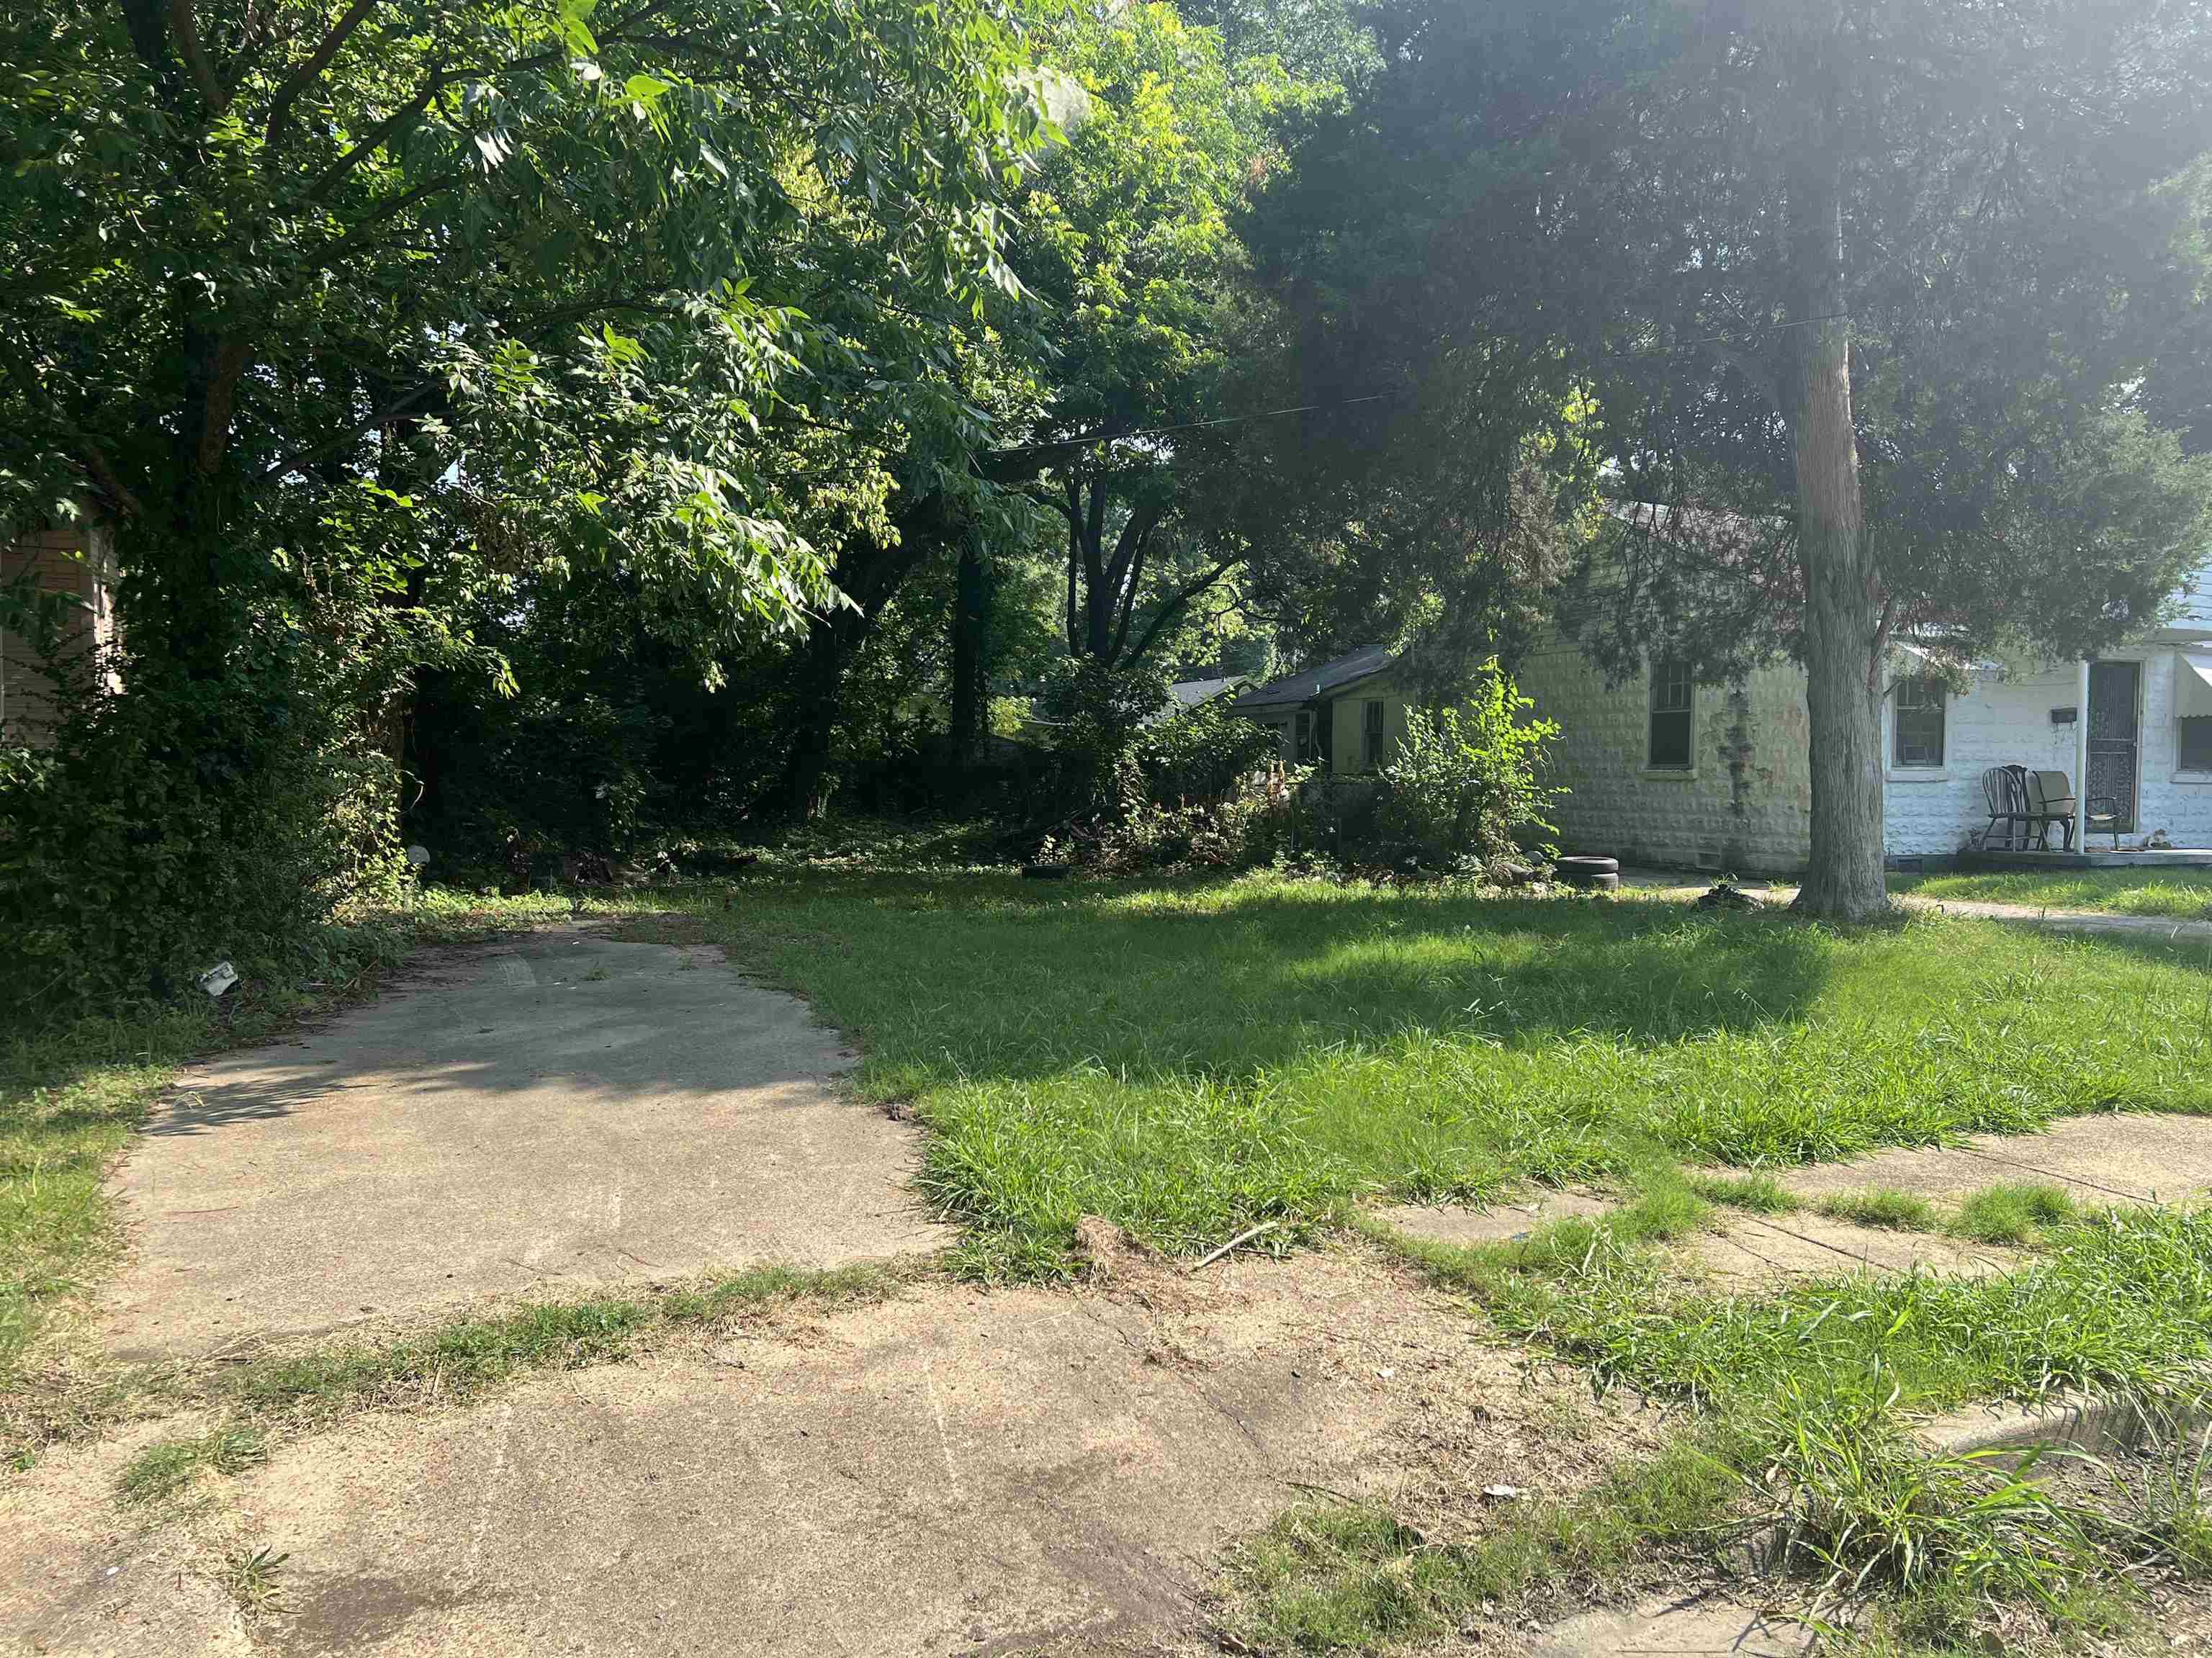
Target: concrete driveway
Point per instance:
(556, 1112)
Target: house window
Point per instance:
(1306, 754)
(1370, 733)
(2196, 742)
(1671, 700)
(1917, 721)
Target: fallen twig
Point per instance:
(1241, 1239)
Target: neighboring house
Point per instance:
(77, 561)
(1344, 716)
(1190, 693)
(1664, 770)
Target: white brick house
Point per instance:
(1725, 784)
(1662, 770)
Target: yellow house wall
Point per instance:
(1346, 711)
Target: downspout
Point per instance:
(2082, 763)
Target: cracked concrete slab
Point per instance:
(1758, 1252)
(1499, 1222)
(2118, 1157)
(1680, 1625)
(555, 1112)
(954, 1471)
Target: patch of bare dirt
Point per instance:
(951, 1471)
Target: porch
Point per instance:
(1998, 857)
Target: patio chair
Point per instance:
(2005, 789)
(2051, 800)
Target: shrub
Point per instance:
(182, 819)
(1203, 753)
(1198, 788)
(1259, 821)
(1464, 783)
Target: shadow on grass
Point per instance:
(1191, 1057)
(1019, 983)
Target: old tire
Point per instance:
(1603, 873)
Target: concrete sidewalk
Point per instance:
(555, 1112)
(1674, 885)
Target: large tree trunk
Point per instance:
(817, 679)
(1843, 609)
(971, 601)
(871, 577)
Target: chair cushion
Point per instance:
(2049, 792)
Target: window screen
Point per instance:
(1917, 722)
(1370, 733)
(1671, 697)
(2196, 743)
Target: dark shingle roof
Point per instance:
(1308, 683)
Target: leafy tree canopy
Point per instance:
(675, 282)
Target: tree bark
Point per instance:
(1843, 608)
(971, 622)
(817, 677)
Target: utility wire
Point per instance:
(1192, 425)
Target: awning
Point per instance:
(1932, 659)
(2192, 681)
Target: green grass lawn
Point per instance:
(1191, 1060)
(2182, 893)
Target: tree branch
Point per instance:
(1174, 605)
(149, 34)
(1141, 523)
(336, 173)
(316, 62)
(231, 355)
(104, 476)
(188, 32)
(1126, 591)
(1073, 510)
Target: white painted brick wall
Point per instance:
(2006, 720)
(1747, 805)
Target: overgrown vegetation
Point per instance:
(1800, 1444)
(1191, 1060)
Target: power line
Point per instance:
(1375, 397)
(1194, 425)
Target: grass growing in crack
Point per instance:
(1190, 1060)
(1353, 1577)
(251, 1578)
(458, 1360)
(1880, 1206)
(1760, 1194)
(2015, 1213)
(165, 1470)
(1805, 1402)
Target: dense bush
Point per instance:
(1464, 785)
(1197, 789)
(1258, 821)
(1201, 753)
(182, 820)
